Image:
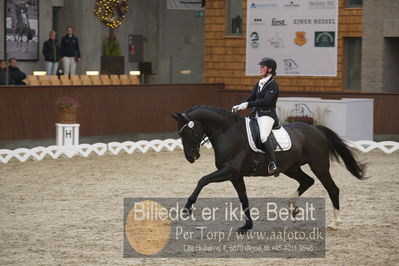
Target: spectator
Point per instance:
(16, 76)
(70, 53)
(51, 52)
(2, 72)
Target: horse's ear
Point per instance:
(182, 117)
(174, 115)
(179, 117)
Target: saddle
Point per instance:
(279, 137)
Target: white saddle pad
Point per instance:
(280, 134)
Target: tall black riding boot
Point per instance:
(268, 148)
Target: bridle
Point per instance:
(204, 139)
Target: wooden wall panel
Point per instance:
(228, 53)
(29, 112)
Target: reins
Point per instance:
(242, 130)
(205, 138)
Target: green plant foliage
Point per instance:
(111, 48)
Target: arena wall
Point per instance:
(30, 112)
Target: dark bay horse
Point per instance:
(312, 145)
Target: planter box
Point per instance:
(67, 115)
(350, 118)
(114, 65)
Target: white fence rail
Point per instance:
(84, 150)
(367, 145)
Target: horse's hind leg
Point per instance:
(323, 174)
(305, 182)
(302, 178)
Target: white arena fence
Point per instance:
(114, 148)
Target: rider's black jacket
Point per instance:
(264, 102)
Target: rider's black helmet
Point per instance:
(269, 62)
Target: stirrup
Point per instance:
(272, 169)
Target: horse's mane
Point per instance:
(213, 109)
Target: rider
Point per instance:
(263, 99)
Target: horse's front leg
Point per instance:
(239, 185)
(220, 175)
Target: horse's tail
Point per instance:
(337, 148)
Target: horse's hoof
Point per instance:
(331, 228)
(242, 230)
(186, 212)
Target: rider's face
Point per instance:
(263, 70)
(13, 63)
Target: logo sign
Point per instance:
(276, 41)
(322, 4)
(291, 4)
(254, 38)
(199, 13)
(324, 39)
(278, 23)
(262, 6)
(300, 38)
(257, 21)
(290, 66)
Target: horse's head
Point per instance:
(191, 133)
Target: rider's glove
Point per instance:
(239, 107)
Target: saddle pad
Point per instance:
(280, 134)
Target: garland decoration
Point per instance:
(111, 12)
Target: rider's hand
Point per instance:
(239, 107)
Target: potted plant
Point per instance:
(305, 119)
(112, 62)
(111, 13)
(67, 110)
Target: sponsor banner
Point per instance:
(282, 228)
(300, 35)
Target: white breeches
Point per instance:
(69, 66)
(265, 126)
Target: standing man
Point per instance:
(51, 52)
(2, 72)
(70, 52)
(16, 76)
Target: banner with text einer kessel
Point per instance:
(301, 35)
